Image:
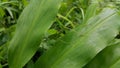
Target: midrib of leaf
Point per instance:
(29, 32)
(33, 25)
(86, 34)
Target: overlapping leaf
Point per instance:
(31, 27)
(82, 44)
(108, 58)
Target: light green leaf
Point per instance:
(82, 44)
(31, 28)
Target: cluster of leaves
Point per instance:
(63, 41)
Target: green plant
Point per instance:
(82, 44)
(46, 38)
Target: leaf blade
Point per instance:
(81, 45)
(31, 28)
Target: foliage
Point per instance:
(82, 34)
(81, 44)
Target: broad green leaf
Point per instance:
(31, 28)
(83, 43)
(106, 58)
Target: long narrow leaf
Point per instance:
(82, 44)
(31, 27)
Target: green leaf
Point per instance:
(31, 28)
(106, 58)
(83, 43)
(91, 11)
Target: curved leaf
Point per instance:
(31, 28)
(82, 44)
